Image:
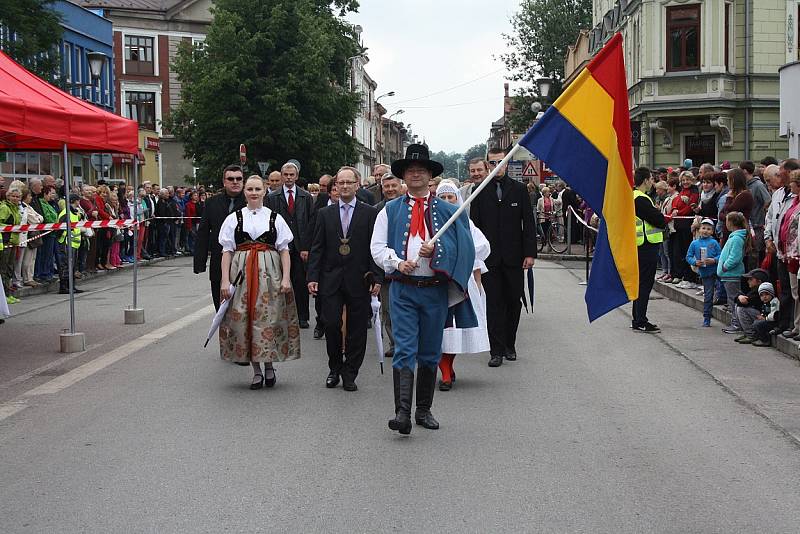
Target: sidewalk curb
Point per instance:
(787, 347)
(52, 287)
(562, 257)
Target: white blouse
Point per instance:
(482, 248)
(254, 223)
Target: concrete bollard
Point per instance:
(134, 316)
(72, 342)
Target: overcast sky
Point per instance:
(420, 47)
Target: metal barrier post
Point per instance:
(72, 341)
(134, 314)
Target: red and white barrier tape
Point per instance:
(111, 223)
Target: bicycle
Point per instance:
(552, 234)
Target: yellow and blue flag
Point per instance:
(585, 137)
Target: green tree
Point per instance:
(542, 31)
(477, 151)
(33, 36)
(274, 75)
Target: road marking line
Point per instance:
(7, 409)
(88, 369)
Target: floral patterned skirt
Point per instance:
(272, 334)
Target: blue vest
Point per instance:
(453, 255)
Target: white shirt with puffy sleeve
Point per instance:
(254, 223)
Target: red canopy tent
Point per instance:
(35, 115)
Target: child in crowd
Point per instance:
(768, 319)
(703, 253)
(749, 307)
(730, 266)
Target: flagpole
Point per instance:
(474, 194)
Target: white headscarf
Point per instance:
(446, 186)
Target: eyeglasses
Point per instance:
(494, 163)
(234, 178)
(343, 182)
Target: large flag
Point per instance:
(585, 137)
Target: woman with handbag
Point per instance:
(101, 198)
(9, 214)
(29, 243)
(117, 236)
(45, 269)
(261, 324)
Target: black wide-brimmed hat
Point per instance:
(417, 154)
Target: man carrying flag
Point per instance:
(585, 137)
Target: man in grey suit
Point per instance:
(296, 206)
(478, 171)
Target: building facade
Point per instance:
(367, 126)
(702, 75)
(393, 141)
(146, 37)
(84, 31)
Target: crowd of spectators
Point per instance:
(169, 219)
(732, 237)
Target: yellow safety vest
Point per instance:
(644, 230)
(76, 232)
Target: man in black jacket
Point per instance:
(326, 184)
(341, 269)
(217, 209)
(503, 212)
(296, 206)
(647, 249)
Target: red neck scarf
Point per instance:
(418, 217)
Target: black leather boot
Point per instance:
(403, 393)
(426, 384)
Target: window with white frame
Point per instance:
(108, 81)
(78, 65)
(139, 55)
(67, 61)
(141, 107)
(683, 37)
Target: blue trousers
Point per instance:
(418, 317)
(709, 283)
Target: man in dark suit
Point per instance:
(342, 271)
(296, 206)
(503, 212)
(364, 194)
(323, 200)
(217, 209)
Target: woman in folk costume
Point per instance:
(465, 340)
(261, 325)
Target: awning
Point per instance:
(127, 159)
(35, 115)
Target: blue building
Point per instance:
(84, 31)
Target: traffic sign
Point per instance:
(531, 169)
(101, 162)
(264, 167)
(514, 169)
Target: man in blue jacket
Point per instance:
(426, 280)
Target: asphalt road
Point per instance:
(594, 429)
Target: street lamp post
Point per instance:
(390, 93)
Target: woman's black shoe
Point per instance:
(270, 382)
(259, 384)
(445, 386)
